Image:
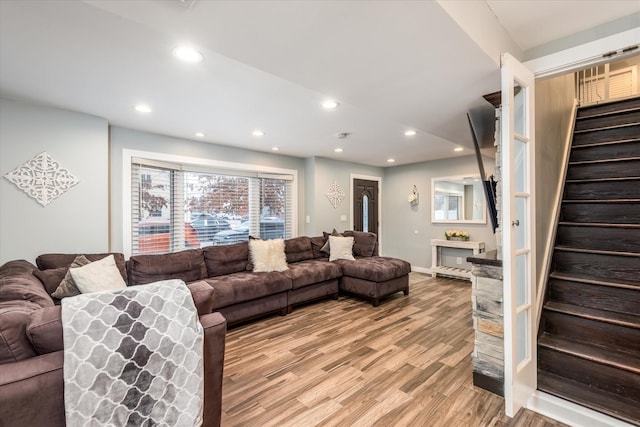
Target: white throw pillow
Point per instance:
(268, 255)
(341, 248)
(101, 275)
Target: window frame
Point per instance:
(204, 165)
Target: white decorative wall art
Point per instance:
(335, 194)
(42, 178)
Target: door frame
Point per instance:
(520, 377)
(378, 179)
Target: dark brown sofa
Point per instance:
(31, 356)
(242, 294)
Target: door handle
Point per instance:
(515, 223)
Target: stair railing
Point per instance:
(551, 236)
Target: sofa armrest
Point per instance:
(202, 294)
(215, 330)
(31, 392)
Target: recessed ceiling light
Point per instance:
(410, 132)
(330, 104)
(200, 134)
(142, 108)
(391, 160)
(274, 148)
(257, 133)
(458, 149)
(338, 150)
(187, 54)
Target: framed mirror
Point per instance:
(458, 200)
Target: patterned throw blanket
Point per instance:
(133, 357)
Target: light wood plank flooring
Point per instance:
(346, 363)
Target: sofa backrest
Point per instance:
(226, 259)
(187, 265)
(317, 242)
(298, 249)
(52, 261)
(364, 243)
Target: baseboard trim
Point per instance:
(570, 413)
(421, 270)
(494, 385)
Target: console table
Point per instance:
(436, 257)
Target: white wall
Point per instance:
(325, 172)
(408, 231)
(78, 220)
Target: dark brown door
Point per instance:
(365, 205)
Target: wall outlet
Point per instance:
(459, 260)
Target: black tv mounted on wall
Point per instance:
(489, 184)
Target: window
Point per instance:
(447, 206)
(176, 206)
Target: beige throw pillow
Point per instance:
(341, 248)
(327, 246)
(67, 287)
(100, 275)
(268, 255)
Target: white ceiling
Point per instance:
(393, 66)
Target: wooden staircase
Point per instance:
(589, 336)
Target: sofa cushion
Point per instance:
(375, 269)
(101, 275)
(16, 266)
(226, 259)
(67, 286)
(364, 242)
(309, 272)
(51, 278)
(317, 243)
(44, 330)
(14, 344)
(246, 286)
(341, 248)
(24, 287)
(267, 255)
(47, 261)
(187, 265)
(298, 249)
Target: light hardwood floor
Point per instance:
(345, 363)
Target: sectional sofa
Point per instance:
(224, 287)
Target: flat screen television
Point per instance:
(489, 184)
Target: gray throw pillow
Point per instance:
(68, 288)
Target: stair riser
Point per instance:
(599, 238)
(608, 213)
(620, 300)
(609, 151)
(609, 107)
(622, 118)
(620, 269)
(591, 331)
(615, 169)
(602, 190)
(590, 373)
(606, 135)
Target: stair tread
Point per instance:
(614, 142)
(617, 178)
(598, 224)
(593, 162)
(570, 278)
(618, 358)
(607, 127)
(600, 200)
(602, 401)
(566, 248)
(620, 319)
(606, 113)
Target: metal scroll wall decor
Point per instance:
(42, 178)
(335, 194)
